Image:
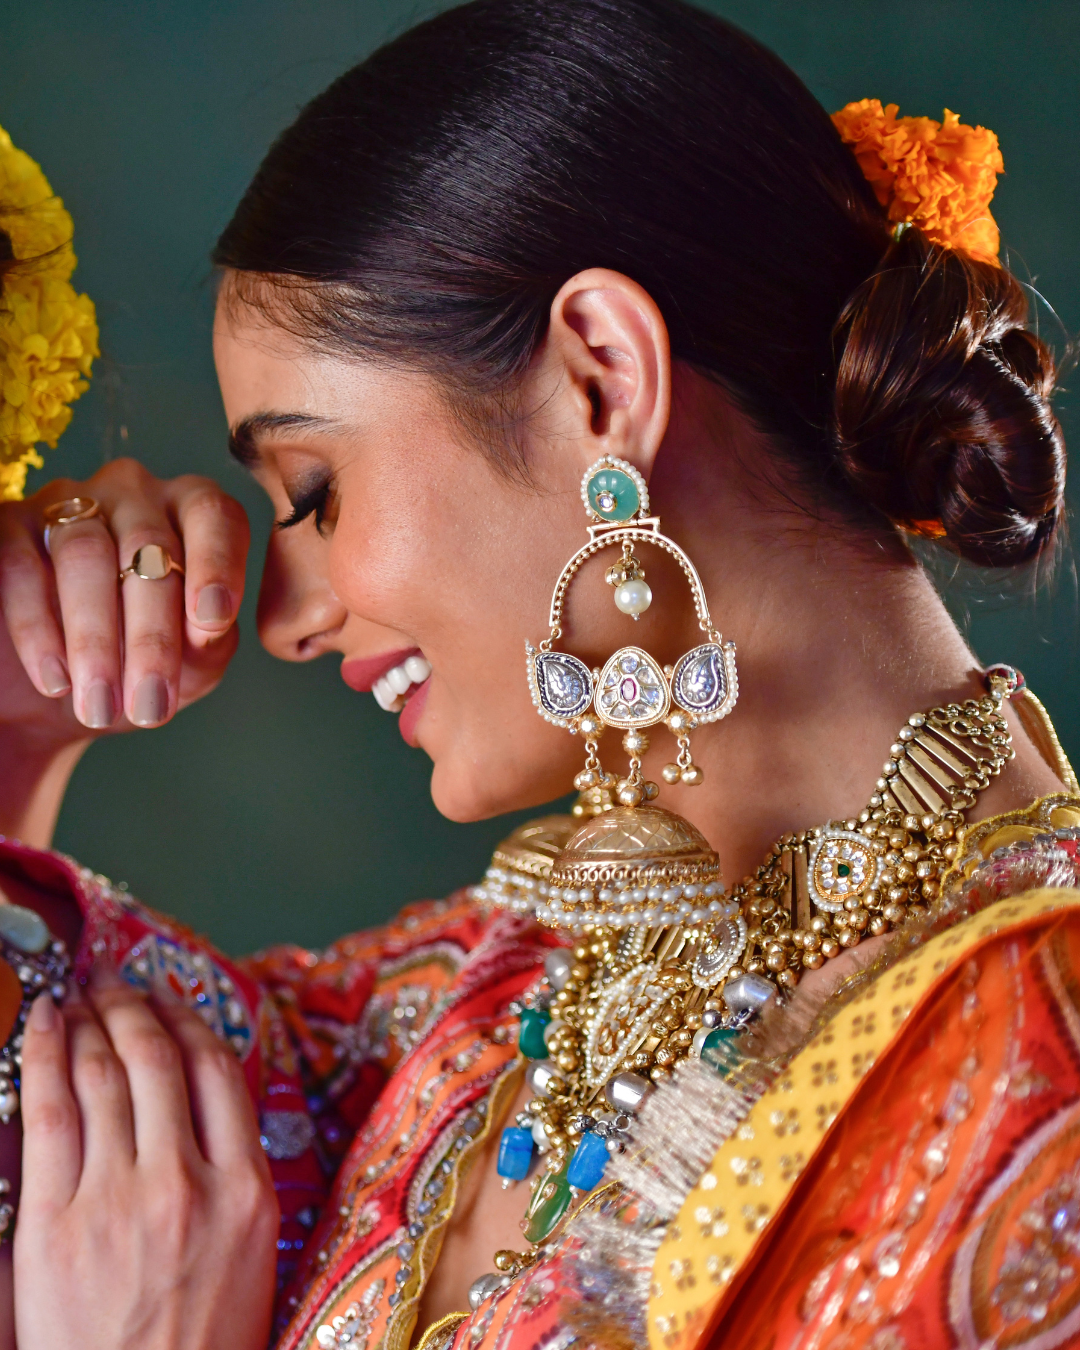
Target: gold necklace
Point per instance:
(666, 965)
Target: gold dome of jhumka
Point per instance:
(631, 866)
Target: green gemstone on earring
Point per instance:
(531, 1036)
(613, 495)
(549, 1203)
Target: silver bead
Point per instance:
(626, 1091)
(542, 1077)
(710, 1018)
(748, 993)
(557, 966)
(483, 1288)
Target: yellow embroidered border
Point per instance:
(712, 1237)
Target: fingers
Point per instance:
(28, 606)
(152, 611)
(100, 1086)
(52, 1143)
(86, 568)
(225, 1119)
(216, 537)
(151, 1059)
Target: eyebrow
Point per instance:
(245, 436)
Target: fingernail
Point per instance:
(99, 706)
(214, 604)
(151, 702)
(43, 1014)
(53, 676)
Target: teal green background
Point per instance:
(286, 806)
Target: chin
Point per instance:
(465, 790)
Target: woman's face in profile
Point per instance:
(411, 542)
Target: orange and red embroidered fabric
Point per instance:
(942, 1207)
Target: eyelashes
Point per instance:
(314, 500)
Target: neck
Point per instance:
(840, 637)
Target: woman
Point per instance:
(530, 259)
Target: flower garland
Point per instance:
(48, 333)
(938, 176)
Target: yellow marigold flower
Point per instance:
(939, 176)
(48, 333)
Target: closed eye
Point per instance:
(313, 500)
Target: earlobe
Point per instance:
(608, 334)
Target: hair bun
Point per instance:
(942, 417)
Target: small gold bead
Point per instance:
(894, 913)
(788, 979)
(849, 937)
(590, 725)
(878, 925)
(629, 794)
(830, 948)
(680, 721)
(635, 742)
(671, 773)
(812, 960)
(693, 775)
(506, 1260)
(650, 790)
(776, 960)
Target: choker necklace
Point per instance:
(665, 964)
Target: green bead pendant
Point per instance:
(719, 1052)
(531, 1035)
(549, 1203)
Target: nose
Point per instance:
(299, 616)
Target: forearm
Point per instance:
(34, 775)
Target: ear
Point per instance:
(607, 346)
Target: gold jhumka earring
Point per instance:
(633, 862)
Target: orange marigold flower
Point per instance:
(939, 176)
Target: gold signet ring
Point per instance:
(152, 563)
(69, 511)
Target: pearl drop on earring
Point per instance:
(633, 597)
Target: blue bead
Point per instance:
(588, 1163)
(515, 1153)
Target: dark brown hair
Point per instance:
(427, 207)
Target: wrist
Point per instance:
(35, 769)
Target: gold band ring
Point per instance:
(152, 563)
(70, 510)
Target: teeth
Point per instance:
(390, 689)
(384, 695)
(417, 669)
(398, 679)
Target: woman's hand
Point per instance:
(81, 651)
(148, 1219)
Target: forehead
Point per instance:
(273, 384)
